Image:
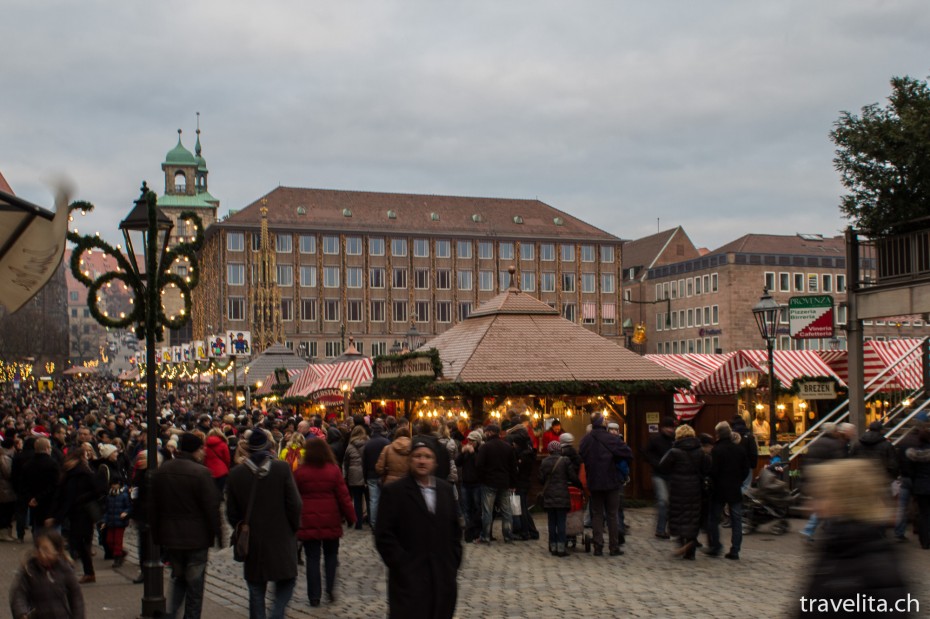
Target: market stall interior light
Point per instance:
(760, 407)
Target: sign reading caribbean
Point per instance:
(811, 317)
(415, 365)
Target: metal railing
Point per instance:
(872, 388)
(903, 256)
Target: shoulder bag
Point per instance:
(240, 536)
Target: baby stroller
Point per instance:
(768, 502)
(574, 523)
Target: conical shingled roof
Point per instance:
(514, 337)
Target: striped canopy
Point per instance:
(272, 380)
(323, 379)
(876, 356)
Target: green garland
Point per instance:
(412, 387)
(126, 274)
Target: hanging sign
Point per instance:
(812, 390)
(811, 317)
(217, 347)
(239, 343)
(199, 352)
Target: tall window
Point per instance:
(569, 312)
(307, 244)
(422, 311)
(588, 282)
(443, 279)
(376, 277)
(285, 275)
(353, 246)
(421, 279)
(464, 280)
(376, 246)
(827, 282)
(443, 311)
(528, 281)
(463, 249)
(443, 248)
(485, 280)
(547, 252)
(485, 250)
(330, 277)
(235, 241)
(697, 285)
(607, 253)
(377, 310)
(587, 253)
(799, 282)
(812, 282)
(505, 251)
(527, 251)
(235, 308)
(353, 277)
(399, 311)
(547, 281)
(769, 281)
(713, 282)
(503, 280)
(568, 282)
(378, 349)
(784, 282)
(308, 309)
(398, 247)
(333, 349)
(287, 309)
(235, 274)
(256, 241)
(307, 276)
(331, 245)
(608, 283)
(568, 253)
(464, 311)
(331, 310)
(354, 310)
(284, 244)
(841, 283)
(399, 278)
(420, 248)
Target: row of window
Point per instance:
(701, 284)
(805, 282)
(423, 278)
(423, 311)
(707, 345)
(692, 317)
(442, 248)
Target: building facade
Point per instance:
(704, 304)
(374, 265)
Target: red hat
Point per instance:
(40, 431)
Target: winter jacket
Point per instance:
(916, 469)
(572, 454)
(600, 451)
(729, 468)
(49, 593)
(452, 450)
(40, 482)
(656, 449)
(875, 446)
(556, 473)
(187, 505)
(497, 464)
(78, 489)
(824, 449)
(526, 458)
(118, 503)
(274, 520)
(337, 442)
(393, 462)
(854, 561)
(467, 469)
(7, 494)
(216, 456)
(371, 452)
(325, 502)
(684, 466)
(352, 463)
(748, 443)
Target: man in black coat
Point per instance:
(750, 447)
(40, 483)
(601, 451)
(873, 444)
(496, 462)
(729, 467)
(656, 449)
(419, 538)
(186, 522)
(370, 453)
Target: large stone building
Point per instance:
(372, 265)
(703, 304)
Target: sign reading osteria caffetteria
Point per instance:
(812, 390)
(411, 366)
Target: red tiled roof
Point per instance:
(784, 244)
(535, 345)
(418, 214)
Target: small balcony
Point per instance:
(903, 258)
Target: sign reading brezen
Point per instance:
(810, 317)
(816, 391)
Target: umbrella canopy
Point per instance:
(78, 370)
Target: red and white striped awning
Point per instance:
(907, 372)
(789, 366)
(304, 383)
(695, 367)
(272, 380)
(686, 405)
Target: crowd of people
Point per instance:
(74, 469)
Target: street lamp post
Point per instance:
(345, 386)
(146, 226)
(248, 390)
(767, 313)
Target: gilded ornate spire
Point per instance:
(267, 327)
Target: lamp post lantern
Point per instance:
(345, 386)
(412, 339)
(767, 313)
(149, 229)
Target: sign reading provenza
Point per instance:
(411, 366)
(811, 317)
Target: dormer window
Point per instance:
(346, 212)
(477, 218)
(558, 221)
(392, 214)
(517, 219)
(434, 216)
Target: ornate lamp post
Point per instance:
(412, 339)
(767, 313)
(149, 228)
(345, 386)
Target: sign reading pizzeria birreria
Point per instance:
(409, 366)
(810, 317)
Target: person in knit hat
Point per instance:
(470, 498)
(556, 474)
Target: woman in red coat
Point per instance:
(326, 503)
(216, 457)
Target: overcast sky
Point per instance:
(711, 115)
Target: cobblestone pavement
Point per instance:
(522, 581)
